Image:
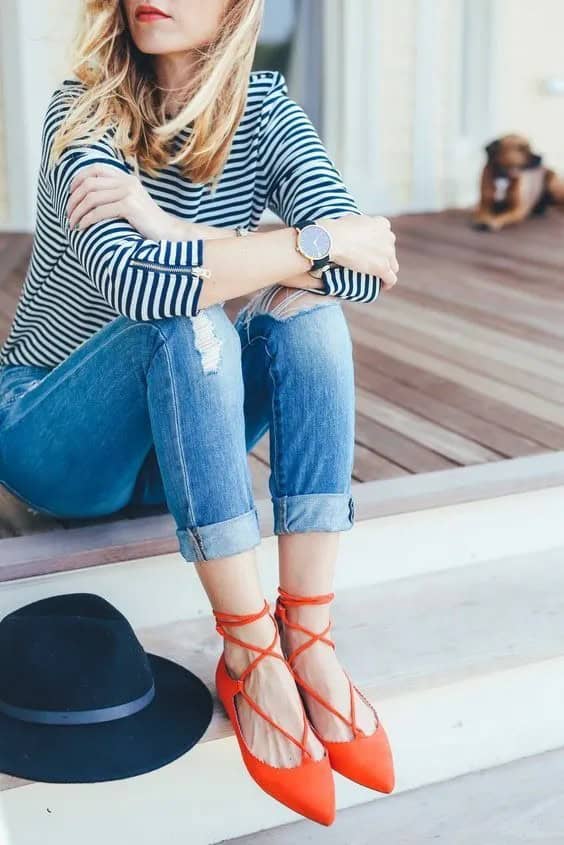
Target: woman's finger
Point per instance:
(387, 275)
(101, 200)
(103, 212)
(90, 187)
(97, 170)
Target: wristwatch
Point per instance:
(315, 243)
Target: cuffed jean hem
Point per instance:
(313, 512)
(220, 539)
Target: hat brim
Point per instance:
(173, 723)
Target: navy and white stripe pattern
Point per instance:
(300, 182)
(80, 279)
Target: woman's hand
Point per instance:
(365, 244)
(101, 192)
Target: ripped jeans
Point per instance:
(165, 411)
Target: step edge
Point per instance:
(119, 541)
(372, 692)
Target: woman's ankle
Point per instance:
(259, 633)
(314, 619)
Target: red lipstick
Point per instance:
(147, 12)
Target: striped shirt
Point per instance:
(78, 280)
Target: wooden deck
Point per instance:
(462, 363)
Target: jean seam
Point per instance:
(194, 533)
(179, 439)
(281, 507)
(274, 469)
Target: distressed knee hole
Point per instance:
(282, 302)
(208, 343)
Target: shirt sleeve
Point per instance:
(301, 181)
(141, 278)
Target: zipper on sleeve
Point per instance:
(167, 268)
(204, 272)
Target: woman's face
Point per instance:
(182, 25)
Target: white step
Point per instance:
(519, 803)
(465, 667)
(157, 590)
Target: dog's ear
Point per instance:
(534, 160)
(492, 149)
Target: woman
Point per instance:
(123, 380)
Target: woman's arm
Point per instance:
(180, 229)
(301, 182)
(146, 278)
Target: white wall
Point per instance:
(393, 81)
(3, 185)
(530, 50)
(417, 87)
(34, 39)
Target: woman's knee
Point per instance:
(313, 332)
(283, 302)
(208, 340)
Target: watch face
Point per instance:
(315, 241)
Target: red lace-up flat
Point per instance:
(366, 758)
(307, 788)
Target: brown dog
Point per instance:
(515, 185)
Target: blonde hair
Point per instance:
(122, 90)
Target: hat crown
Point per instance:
(72, 652)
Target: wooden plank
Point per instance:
(498, 343)
(462, 397)
(498, 439)
(545, 409)
(260, 473)
(16, 518)
(456, 486)
(528, 251)
(368, 466)
(426, 433)
(479, 307)
(262, 448)
(469, 355)
(398, 448)
(480, 317)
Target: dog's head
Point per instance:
(511, 154)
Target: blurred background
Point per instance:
(404, 92)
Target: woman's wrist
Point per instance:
(178, 229)
(332, 226)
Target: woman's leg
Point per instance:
(233, 586)
(74, 445)
(299, 356)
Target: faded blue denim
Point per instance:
(165, 411)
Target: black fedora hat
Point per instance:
(81, 701)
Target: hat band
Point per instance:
(78, 717)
